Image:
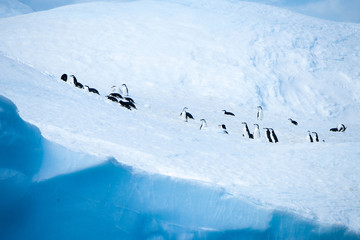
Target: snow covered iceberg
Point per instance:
(113, 201)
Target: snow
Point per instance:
(207, 56)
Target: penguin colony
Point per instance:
(121, 96)
(270, 134)
(115, 96)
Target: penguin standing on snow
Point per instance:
(256, 131)
(259, 114)
(341, 128)
(116, 95)
(228, 113)
(116, 89)
(124, 90)
(273, 136)
(246, 132)
(128, 105)
(185, 115)
(293, 121)
(75, 82)
(316, 136)
(309, 137)
(92, 90)
(268, 135)
(64, 77)
(203, 124)
(223, 127)
(111, 98)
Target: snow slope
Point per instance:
(208, 56)
(110, 201)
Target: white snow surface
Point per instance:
(207, 56)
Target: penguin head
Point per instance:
(257, 125)
(185, 108)
(244, 123)
(203, 120)
(259, 107)
(222, 126)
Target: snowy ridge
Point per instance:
(207, 56)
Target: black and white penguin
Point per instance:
(341, 128)
(228, 113)
(273, 136)
(116, 89)
(116, 95)
(124, 90)
(309, 137)
(334, 129)
(92, 90)
(316, 137)
(256, 131)
(185, 115)
(259, 114)
(129, 99)
(293, 121)
(268, 135)
(64, 77)
(246, 132)
(75, 82)
(203, 124)
(223, 127)
(111, 98)
(128, 105)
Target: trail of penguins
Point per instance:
(125, 101)
(269, 132)
(118, 95)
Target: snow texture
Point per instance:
(207, 56)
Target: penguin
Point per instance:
(273, 136)
(111, 98)
(127, 105)
(64, 77)
(247, 132)
(116, 95)
(268, 135)
(334, 129)
(116, 89)
(228, 113)
(185, 115)
(309, 137)
(341, 128)
(129, 99)
(256, 131)
(316, 137)
(75, 82)
(92, 90)
(223, 127)
(293, 121)
(203, 124)
(124, 90)
(259, 114)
